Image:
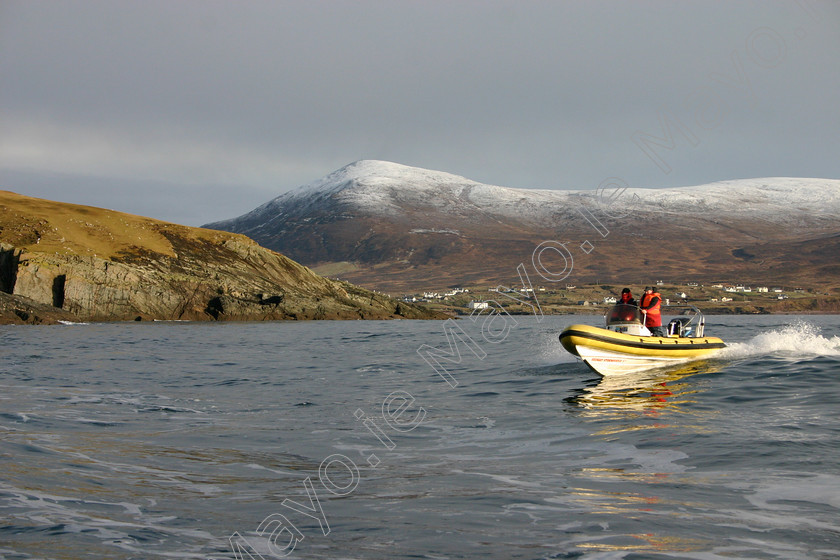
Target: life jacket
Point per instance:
(654, 318)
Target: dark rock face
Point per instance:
(236, 280)
(9, 259)
(22, 310)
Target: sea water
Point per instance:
(412, 439)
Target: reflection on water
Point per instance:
(649, 393)
(632, 490)
(646, 543)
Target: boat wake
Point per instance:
(798, 340)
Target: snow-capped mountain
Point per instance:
(400, 223)
(390, 189)
(380, 188)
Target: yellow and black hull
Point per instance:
(612, 353)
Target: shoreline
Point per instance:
(36, 318)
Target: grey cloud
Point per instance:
(267, 96)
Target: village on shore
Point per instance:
(716, 298)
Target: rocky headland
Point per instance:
(65, 262)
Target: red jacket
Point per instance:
(651, 303)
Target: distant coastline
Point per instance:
(594, 299)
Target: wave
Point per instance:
(797, 340)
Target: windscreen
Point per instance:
(622, 313)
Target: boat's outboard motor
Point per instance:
(679, 327)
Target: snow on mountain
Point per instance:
(765, 196)
(385, 188)
(382, 188)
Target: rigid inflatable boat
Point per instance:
(625, 345)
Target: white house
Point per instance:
(478, 305)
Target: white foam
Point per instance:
(781, 494)
(800, 339)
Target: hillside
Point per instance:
(62, 260)
(393, 227)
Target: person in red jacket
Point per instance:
(650, 304)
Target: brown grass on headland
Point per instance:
(46, 226)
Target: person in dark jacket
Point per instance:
(627, 297)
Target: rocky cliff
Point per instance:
(99, 265)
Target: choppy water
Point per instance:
(178, 440)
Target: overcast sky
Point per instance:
(194, 111)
